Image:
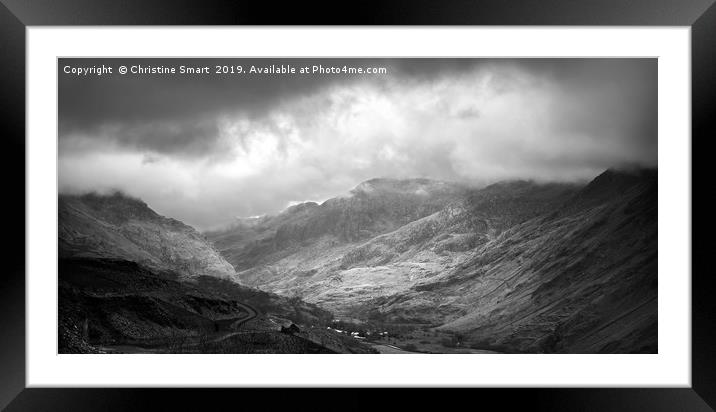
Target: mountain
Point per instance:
(374, 207)
(430, 266)
(401, 232)
(117, 226)
(132, 281)
(580, 279)
(516, 266)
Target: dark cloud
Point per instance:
(207, 148)
(88, 104)
(173, 113)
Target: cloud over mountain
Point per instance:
(208, 149)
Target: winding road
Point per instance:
(252, 313)
(234, 327)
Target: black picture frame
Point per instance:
(16, 15)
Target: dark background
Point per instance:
(16, 14)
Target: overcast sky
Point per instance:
(206, 149)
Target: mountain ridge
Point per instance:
(122, 227)
(516, 266)
(133, 281)
(436, 260)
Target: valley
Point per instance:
(393, 266)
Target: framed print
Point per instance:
(479, 198)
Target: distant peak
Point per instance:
(396, 181)
(622, 175)
(615, 181)
(115, 205)
(295, 208)
(113, 196)
(418, 185)
(629, 170)
(117, 196)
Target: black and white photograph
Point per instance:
(357, 205)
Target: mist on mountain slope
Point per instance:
(519, 265)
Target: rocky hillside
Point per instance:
(516, 266)
(373, 208)
(582, 278)
(403, 232)
(132, 281)
(108, 305)
(120, 227)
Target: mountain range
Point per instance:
(133, 281)
(517, 266)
